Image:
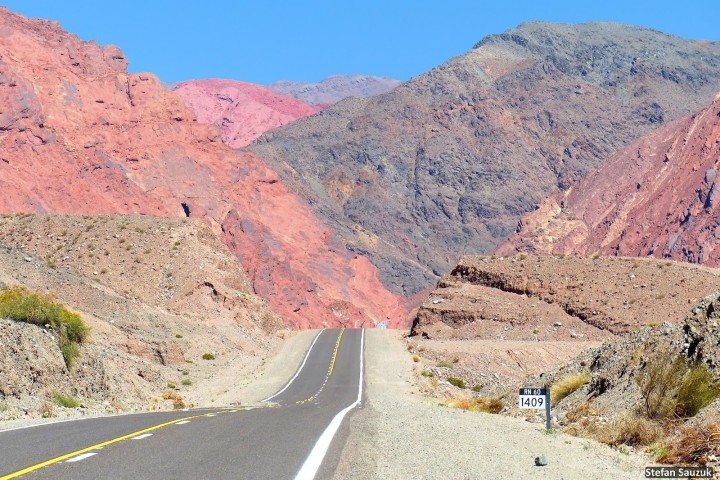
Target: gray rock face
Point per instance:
(446, 163)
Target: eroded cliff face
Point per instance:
(78, 134)
(657, 197)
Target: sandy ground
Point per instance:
(401, 435)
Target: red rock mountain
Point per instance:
(658, 197)
(242, 111)
(79, 134)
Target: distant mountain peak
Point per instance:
(334, 88)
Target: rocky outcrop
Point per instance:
(241, 111)
(335, 88)
(79, 134)
(658, 197)
(448, 162)
(526, 297)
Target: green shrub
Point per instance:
(208, 356)
(670, 386)
(697, 391)
(21, 305)
(445, 364)
(66, 401)
(457, 382)
(416, 359)
(186, 381)
(476, 388)
(427, 373)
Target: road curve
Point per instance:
(288, 438)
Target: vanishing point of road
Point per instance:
(299, 433)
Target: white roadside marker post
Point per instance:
(537, 399)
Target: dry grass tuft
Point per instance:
(629, 430)
(693, 445)
(481, 404)
(177, 400)
(568, 385)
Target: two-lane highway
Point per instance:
(287, 439)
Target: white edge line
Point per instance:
(140, 437)
(299, 369)
(81, 457)
(314, 460)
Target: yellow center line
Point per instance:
(337, 346)
(93, 447)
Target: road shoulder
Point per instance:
(399, 434)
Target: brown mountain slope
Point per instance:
(448, 162)
(657, 197)
(504, 318)
(157, 294)
(78, 134)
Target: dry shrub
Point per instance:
(629, 430)
(693, 445)
(480, 404)
(568, 385)
(177, 400)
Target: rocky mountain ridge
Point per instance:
(658, 197)
(79, 134)
(448, 162)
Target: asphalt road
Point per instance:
(276, 442)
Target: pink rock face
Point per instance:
(78, 134)
(242, 111)
(657, 197)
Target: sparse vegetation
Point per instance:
(46, 410)
(456, 382)
(568, 385)
(66, 401)
(208, 356)
(697, 391)
(177, 335)
(177, 400)
(416, 359)
(186, 372)
(445, 365)
(427, 373)
(630, 430)
(21, 305)
(693, 445)
(476, 388)
(669, 386)
(186, 381)
(481, 404)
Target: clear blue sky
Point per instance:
(263, 41)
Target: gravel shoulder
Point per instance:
(400, 434)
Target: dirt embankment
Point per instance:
(493, 321)
(157, 293)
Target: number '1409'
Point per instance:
(532, 401)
